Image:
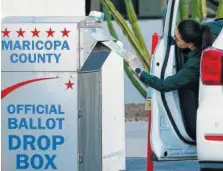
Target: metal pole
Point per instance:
(150, 166)
(149, 150)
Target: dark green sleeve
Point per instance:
(187, 75)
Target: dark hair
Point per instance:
(192, 31)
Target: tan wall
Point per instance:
(135, 112)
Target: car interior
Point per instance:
(189, 96)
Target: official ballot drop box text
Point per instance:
(62, 96)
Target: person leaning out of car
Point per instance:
(191, 35)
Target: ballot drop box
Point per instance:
(62, 96)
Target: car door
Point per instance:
(173, 127)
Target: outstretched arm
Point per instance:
(187, 75)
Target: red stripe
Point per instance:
(10, 89)
(149, 163)
(214, 137)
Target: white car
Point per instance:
(182, 130)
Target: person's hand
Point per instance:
(131, 60)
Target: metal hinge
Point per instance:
(80, 158)
(79, 112)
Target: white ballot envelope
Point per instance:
(119, 49)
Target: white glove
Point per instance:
(131, 60)
(127, 56)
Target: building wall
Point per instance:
(148, 9)
(43, 8)
(143, 8)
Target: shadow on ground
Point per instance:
(139, 164)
